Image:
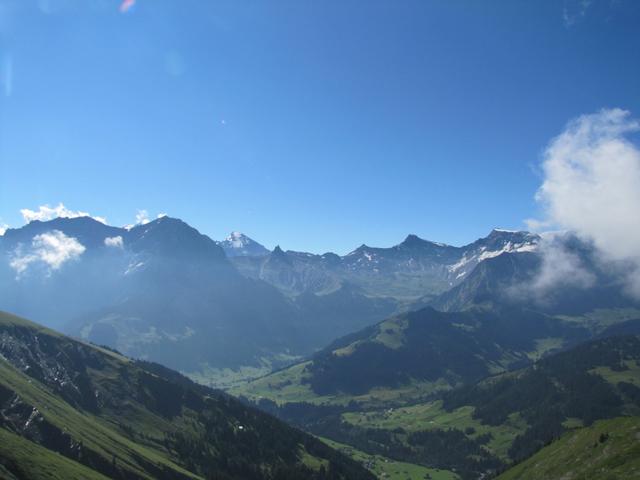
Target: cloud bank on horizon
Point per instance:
(592, 187)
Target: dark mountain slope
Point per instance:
(181, 302)
(426, 351)
(491, 282)
(126, 419)
(428, 345)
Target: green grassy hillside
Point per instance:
(29, 460)
(607, 450)
(78, 407)
(390, 469)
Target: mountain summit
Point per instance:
(239, 245)
(414, 241)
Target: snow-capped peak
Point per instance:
(238, 240)
(238, 244)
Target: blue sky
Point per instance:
(316, 125)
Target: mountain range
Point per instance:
(225, 311)
(407, 271)
(165, 292)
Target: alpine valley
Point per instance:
(417, 361)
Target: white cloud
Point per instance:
(592, 187)
(3, 228)
(560, 267)
(115, 242)
(162, 215)
(142, 217)
(45, 212)
(52, 249)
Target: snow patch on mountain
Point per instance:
(471, 259)
(237, 240)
